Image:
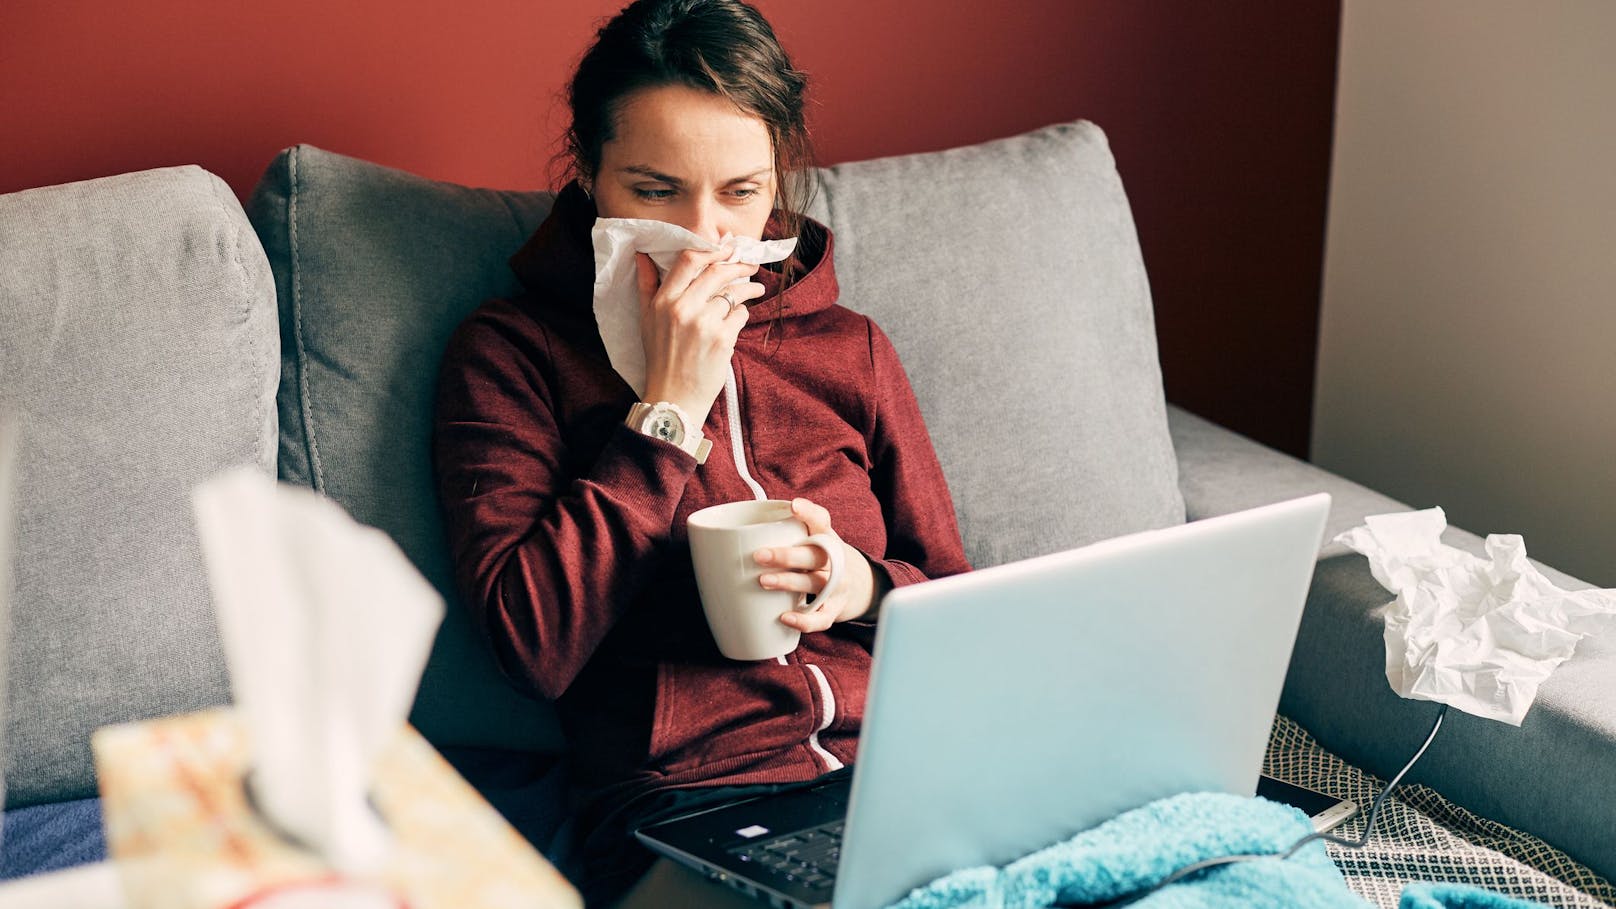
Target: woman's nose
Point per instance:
(707, 221)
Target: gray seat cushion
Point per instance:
(140, 348)
(1032, 353)
(1554, 777)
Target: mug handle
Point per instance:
(832, 547)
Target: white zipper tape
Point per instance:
(831, 761)
(732, 403)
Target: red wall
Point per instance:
(1219, 115)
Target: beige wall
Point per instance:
(1467, 352)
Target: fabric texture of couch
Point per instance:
(1555, 776)
(139, 348)
(1007, 274)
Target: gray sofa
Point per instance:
(156, 332)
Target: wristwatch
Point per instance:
(669, 422)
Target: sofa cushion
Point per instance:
(1009, 277)
(140, 349)
(1043, 396)
(1552, 777)
(374, 268)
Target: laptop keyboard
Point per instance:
(807, 857)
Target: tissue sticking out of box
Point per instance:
(617, 295)
(1477, 634)
(326, 627)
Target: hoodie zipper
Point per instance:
(831, 761)
(732, 407)
(732, 404)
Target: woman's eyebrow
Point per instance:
(647, 171)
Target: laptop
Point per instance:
(1012, 707)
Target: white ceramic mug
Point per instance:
(745, 617)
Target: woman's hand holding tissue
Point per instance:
(688, 330)
(805, 569)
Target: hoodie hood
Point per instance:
(557, 264)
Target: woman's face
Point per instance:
(690, 158)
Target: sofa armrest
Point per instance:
(1554, 777)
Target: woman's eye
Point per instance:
(658, 195)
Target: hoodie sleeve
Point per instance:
(549, 560)
(923, 539)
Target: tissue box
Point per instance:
(181, 830)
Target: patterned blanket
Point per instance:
(1421, 836)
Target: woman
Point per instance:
(566, 513)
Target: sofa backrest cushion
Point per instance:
(1008, 275)
(374, 268)
(140, 349)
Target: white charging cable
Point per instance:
(1369, 820)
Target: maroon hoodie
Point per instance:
(568, 529)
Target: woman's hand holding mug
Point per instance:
(756, 564)
(689, 329)
(805, 569)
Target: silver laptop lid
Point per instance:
(1012, 707)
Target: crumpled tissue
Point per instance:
(326, 627)
(617, 300)
(1477, 634)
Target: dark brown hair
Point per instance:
(721, 46)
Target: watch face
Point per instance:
(667, 427)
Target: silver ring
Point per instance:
(727, 298)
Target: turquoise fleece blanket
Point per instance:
(1141, 847)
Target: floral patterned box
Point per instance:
(183, 835)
